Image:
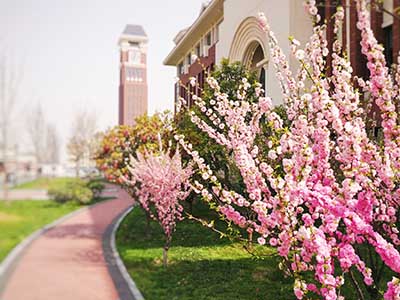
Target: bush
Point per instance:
(82, 194)
(96, 186)
(60, 194)
(73, 191)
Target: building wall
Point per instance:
(286, 18)
(239, 30)
(396, 30)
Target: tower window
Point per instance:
(134, 75)
(133, 44)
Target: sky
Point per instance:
(67, 54)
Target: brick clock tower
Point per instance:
(133, 74)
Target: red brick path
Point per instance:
(67, 262)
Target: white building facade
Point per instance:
(229, 29)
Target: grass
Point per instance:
(18, 219)
(201, 265)
(45, 183)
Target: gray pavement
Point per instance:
(26, 195)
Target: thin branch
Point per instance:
(356, 285)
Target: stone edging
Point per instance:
(9, 263)
(126, 287)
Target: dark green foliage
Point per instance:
(218, 157)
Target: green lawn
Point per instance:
(45, 183)
(202, 266)
(18, 219)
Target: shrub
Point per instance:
(327, 194)
(82, 194)
(60, 194)
(73, 191)
(96, 186)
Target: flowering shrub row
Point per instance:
(318, 186)
(326, 187)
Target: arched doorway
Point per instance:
(254, 59)
(250, 46)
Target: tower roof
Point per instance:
(135, 30)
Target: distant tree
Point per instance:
(80, 145)
(10, 80)
(52, 145)
(43, 136)
(36, 126)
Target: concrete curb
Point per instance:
(126, 287)
(9, 263)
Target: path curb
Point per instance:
(8, 264)
(126, 287)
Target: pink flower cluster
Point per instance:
(325, 186)
(160, 183)
(393, 291)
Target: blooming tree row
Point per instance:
(326, 187)
(319, 186)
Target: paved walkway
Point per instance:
(67, 262)
(26, 194)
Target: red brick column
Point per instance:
(330, 36)
(357, 59)
(376, 22)
(396, 30)
(344, 26)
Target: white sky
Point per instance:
(69, 55)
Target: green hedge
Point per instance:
(79, 191)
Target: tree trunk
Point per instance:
(165, 251)
(250, 240)
(165, 257)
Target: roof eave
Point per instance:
(130, 37)
(174, 56)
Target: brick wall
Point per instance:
(196, 70)
(357, 59)
(396, 31)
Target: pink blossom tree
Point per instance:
(326, 186)
(160, 183)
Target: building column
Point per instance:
(376, 22)
(396, 30)
(357, 59)
(330, 35)
(344, 25)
